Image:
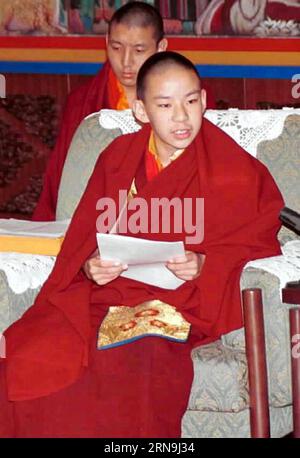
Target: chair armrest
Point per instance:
(276, 322)
(270, 278)
(21, 278)
(277, 334)
(12, 305)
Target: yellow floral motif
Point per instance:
(123, 324)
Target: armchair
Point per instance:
(219, 399)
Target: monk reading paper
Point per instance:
(54, 381)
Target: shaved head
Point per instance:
(139, 14)
(159, 62)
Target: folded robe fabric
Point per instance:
(48, 346)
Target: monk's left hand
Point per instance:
(188, 267)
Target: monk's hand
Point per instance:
(188, 267)
(103, 272)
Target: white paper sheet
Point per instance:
(146, 259)
(25, 228)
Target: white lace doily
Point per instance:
(249, 127)
(286, 267)
(114, 119)
(25, 271)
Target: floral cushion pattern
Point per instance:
(203, 424)
(220, 379)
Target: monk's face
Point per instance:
(128, 48)
(173, 104)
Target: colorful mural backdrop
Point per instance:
(182, 17)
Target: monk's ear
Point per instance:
(203, 99)
(139, 111)
(162, 45)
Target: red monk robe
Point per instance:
(103, 91)
(60, 384)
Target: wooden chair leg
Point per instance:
(257, 366)
(295, 363)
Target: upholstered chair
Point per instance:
(219, 400)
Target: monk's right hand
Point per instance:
(102, 272)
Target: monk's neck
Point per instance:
(130, 95)
(165, 156)
(166, 153)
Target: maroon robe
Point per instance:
(59, 383)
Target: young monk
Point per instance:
(54, 382)
(135, 33)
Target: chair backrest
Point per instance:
(273, 136)
(93, 135)
(87, 144)
(282, 157)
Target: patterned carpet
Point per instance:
(28, 129)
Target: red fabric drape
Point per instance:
(48, 348)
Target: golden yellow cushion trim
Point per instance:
(33, 245)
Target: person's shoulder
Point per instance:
(79, 92)
(231, 156)
(226, 147)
